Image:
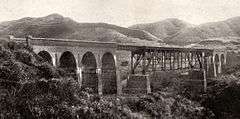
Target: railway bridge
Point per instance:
(100, 65)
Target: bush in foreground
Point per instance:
(223, 97)
(31, 88)
(165, 105)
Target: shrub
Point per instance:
(20, 76)
(16, 71)
(5, 55)
(11, 45)
(25, 56)
(66, 89)
(47, 71)
(232, 70)
(223, 97)
(63, 99)
(166, 105)
(8, 106)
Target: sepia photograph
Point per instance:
(119, 59)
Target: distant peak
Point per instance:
(26, 18)
(54, 15)
(173, 19)
(234, 18)
(177, 21)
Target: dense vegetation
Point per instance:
(222, 100)
(32, 88)
(223, 96)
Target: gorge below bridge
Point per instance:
(102, 65)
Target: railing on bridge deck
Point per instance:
(63, 42)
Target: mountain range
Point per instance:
(178, 32)
(170, 31)
(57, 26)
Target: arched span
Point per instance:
(222, 58)
(216, 58)
(217, 63)
(68, 63)
(109, 74)
(210, 72)
(89, 74)
(45, 56)
(222, 62)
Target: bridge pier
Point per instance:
(219, 66)
(214, 66)
(164, 60)
(100, 85)
(54, 59)
(203, 68)
(118, 75)
(219, 61)
(178, 62)
(119, 85)
(181, 63)
(79, 75)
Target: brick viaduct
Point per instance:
(98, 65)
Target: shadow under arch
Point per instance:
(222, 57)
(217, 63)
(68, 64)
(46, 57)
(109, 78)
(89, 74)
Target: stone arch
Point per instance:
(46, 56)
(109, 78)
(216, 59)
(68, 63)
(89, 74)
(222, 58)
(210, 72)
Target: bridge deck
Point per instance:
(162, 48)
(119, 46)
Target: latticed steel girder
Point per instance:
(158, 58)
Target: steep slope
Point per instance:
(174, 31)
(49, 26)
(57, 26)
(227, 43)
(234, 24)
(163, 29)
(205, 31)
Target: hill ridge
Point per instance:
(57, 26)
(187, 33)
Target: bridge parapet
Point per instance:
(64, 42)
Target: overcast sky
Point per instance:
(123, 12)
